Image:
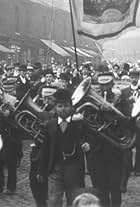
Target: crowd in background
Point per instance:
(43, 81)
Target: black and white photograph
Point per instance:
(69, 103)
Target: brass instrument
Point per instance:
(103, 118)
(1, 143)
(23, 114)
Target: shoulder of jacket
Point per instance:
(116, 91)
(77, 117)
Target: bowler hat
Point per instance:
(48, 71)
(23, 67)
(65, 76)
(63, 96)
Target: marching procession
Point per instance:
(69, 103)
(80, 121)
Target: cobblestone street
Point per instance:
(23, 196)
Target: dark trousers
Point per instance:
(1, 175)
(12, 157)
(65, 178)
(39, 190)
(137, 159)
(126, 168)
(105, 172)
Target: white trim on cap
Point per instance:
(48, 91)
(104, 79)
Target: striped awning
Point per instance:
(82, 52)
(56, 48)
(91, 52)
(70, 49)
(5, 50)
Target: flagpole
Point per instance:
(108, 61)
(74, 36)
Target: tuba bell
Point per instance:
(105, 120)
(23, 114)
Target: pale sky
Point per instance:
(61, 4)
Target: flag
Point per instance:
(101, 19)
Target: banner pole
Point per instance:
(97, 45)
(73, 33)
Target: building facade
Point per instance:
(24, 23)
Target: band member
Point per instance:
(39, 190)
(13, 156)
(105, 161)
(135, 93)
(128, 97)
(61, 159)
(11, 153)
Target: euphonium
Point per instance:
(23, 114)
(103, 118)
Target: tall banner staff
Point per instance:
(103, 20)
(74, 36)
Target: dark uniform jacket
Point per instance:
(79, 133)
(22, 88)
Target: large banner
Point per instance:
(100, 19)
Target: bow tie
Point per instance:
(63, 123)
(60, 120)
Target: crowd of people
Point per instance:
(69, 145)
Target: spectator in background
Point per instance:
(125, 71)
(68, 63)
(49, 77)
(85, 72)
(65, 80)
(23, 83)
(16, 70)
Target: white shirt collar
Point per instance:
(60, 120)
(23, 79)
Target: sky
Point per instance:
(61, 4)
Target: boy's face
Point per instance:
(64, 110)
(50, 100)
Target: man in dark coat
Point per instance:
(23, 83)
(39, 190)
(105, 163)
(61, 159)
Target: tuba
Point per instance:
(105, 120)
(23, 114)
